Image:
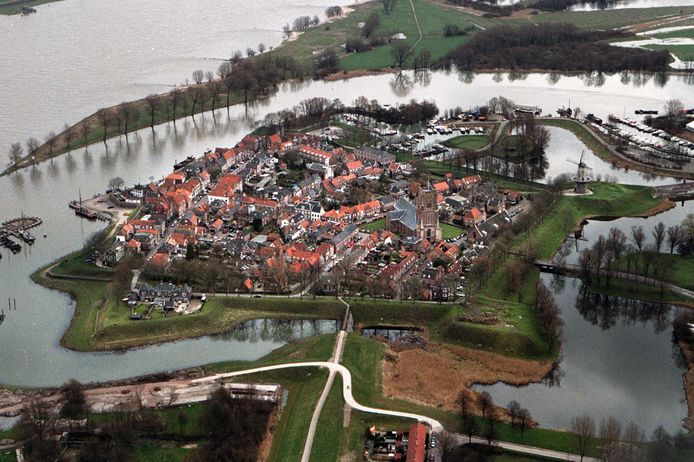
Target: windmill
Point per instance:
(583, 176)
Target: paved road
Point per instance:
(346, 388)
(521, 448)
(337, 355)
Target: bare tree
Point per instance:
(638, 237)
(16, 152)
(209, 76)
(32, 145)
(633, 436)
(84, 131)
(465, 401)
(673, 111)
(583, 427)
(610, 432)
(659, 235)
(175, 98)
(152, 102)
(674, 236)
(524, 419)
(513, 409)
(485, 402)
(261, 48)
(51, 140)
(448, 445)
(399, 51)
(198, 76)
(250, 52)
(127, 113)
(470, 427)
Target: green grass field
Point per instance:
(450, 231)
(329, 433)
(470, 142)
(681, 269)
(683, 52)
(684, 33)
(611, 19)
(8, 456)
(101, 323)
(74, 265)
(374, 225)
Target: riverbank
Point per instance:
(10, 7)
(158, 109)
(606, 151)
(102, 323)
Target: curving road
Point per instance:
(346, 388)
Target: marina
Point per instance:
(18, 228)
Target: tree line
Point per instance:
(313, 110)
(236, 79)
(554, 46)
(229, 429)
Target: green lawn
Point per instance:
(684, 33)
(611, 19)
(469, 142)
(8, 456)
(450, 231)
(681, 269)
(374, 225)
(683, 52)
(151, 452)
(101, 323)
(74, 265)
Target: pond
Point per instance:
(617, 360)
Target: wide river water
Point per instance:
(29, 337)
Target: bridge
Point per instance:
(676, 192)
(567, 269)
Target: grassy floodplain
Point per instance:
(432, 16)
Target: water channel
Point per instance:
(29, 337)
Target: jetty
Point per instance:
(19, 229)
(676, 192)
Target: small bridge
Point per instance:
(676, 192)
(547, 266)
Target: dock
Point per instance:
(82, 211)
(19, 229)
(676, 192)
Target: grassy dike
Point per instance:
(520, 334)
(102, 323)
(10, 7)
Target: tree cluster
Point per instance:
(333, 11)
(548, 316)
(490, 7)
(554, 46)
(235, 428)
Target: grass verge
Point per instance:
(469, 142)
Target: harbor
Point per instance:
(18, 228)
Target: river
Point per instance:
(29, 337)
(75, 56)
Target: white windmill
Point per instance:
(583, 176)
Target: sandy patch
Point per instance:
(436, 375)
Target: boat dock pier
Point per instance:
(18, 228)
(87, 213)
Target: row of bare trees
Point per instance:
(618, 252)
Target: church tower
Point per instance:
(428, 216)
